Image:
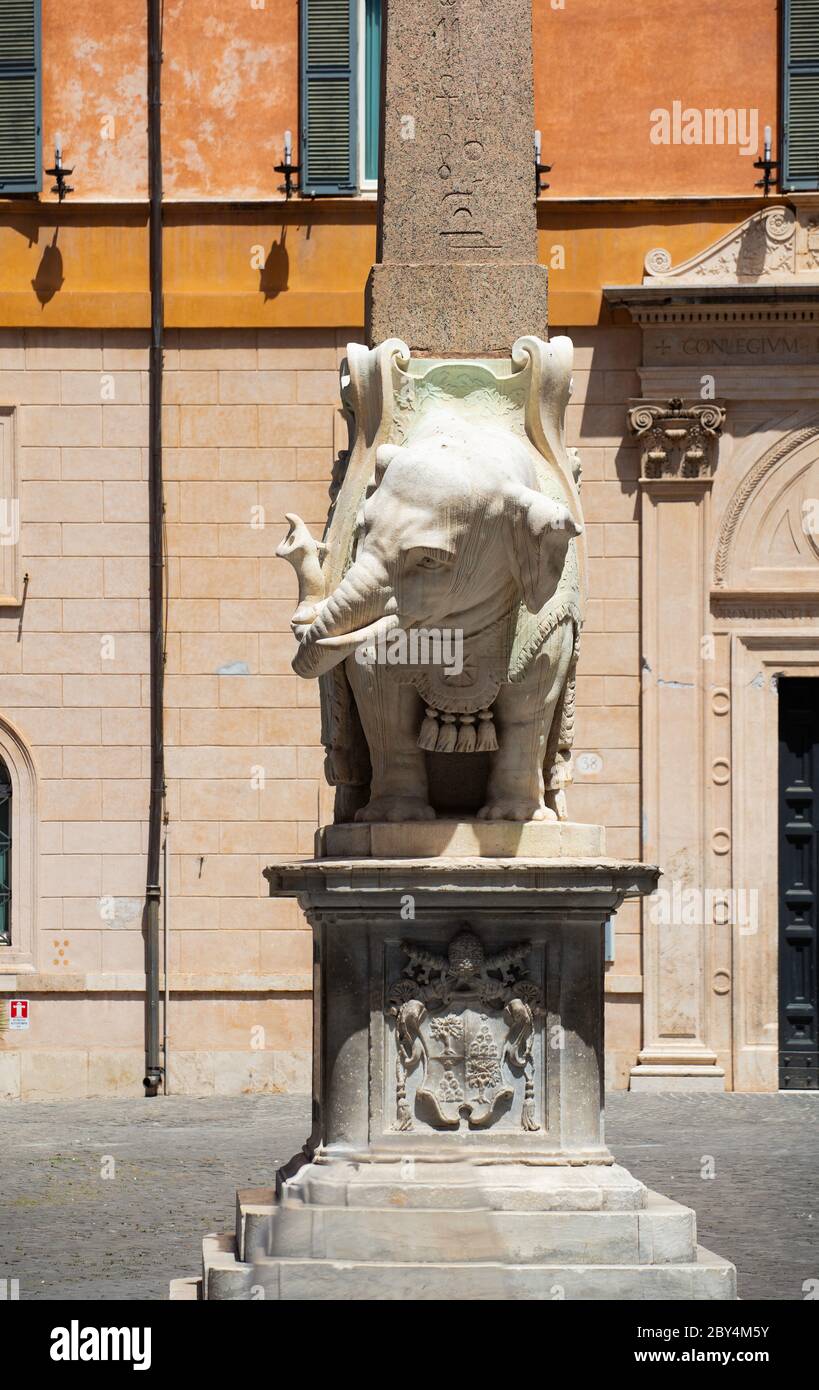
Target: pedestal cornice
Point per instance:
(551, 883)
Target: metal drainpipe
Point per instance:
(166, 927)
(153, 1066)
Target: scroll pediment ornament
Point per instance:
(465, 1021)
(679, 440)
(772, 244)
(746, 490)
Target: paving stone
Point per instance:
(179, 1160)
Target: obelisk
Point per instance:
(457, 270)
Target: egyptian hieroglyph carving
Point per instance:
(449, 608)
(465, 1029)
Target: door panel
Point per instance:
(798, 882)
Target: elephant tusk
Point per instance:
(355, 639)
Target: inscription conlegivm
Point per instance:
(779, 343)
(458, 183)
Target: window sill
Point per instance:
(14, 962)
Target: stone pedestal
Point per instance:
(457, 1147)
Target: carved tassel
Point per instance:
(403, 1113)
(448, 734)
(527, 1116)
(487, 741)
(466, 734)
(428, 737)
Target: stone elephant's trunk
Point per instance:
(357, 612)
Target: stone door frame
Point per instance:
(757, 660)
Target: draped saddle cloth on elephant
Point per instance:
(442, 611)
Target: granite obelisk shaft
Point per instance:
(457, 270)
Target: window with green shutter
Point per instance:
(20, 141)
(799, 155)
(340, 95)
(5, 856)
(370, 89)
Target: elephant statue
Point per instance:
(451, 610)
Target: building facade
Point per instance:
(692, 298)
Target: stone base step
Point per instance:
(430, 839)
(619, 1242)
(185, 1290)
(708, 1277)
(663, 1233)
(224, 1277)
(468, 1186)
(255, 1208)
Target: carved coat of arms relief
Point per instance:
(465, 1032)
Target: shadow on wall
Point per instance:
(89, 232)
(49, 278)
(273, 276)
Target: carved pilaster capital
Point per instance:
(679, 440)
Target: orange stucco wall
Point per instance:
(230, 89)
(299, 266)
(602, 67)
(94, 95)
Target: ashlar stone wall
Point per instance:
(251, 427)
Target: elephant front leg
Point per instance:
(390, 716)
(524, 714)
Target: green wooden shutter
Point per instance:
(372, 86)
(20, 68)
(328, 96)
(800, 94)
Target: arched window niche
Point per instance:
(18, 857)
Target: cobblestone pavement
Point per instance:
(66, 1231)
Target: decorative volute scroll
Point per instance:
(772, 244)
(775, 511)
(679, 440)
(367, 387)
(547, 397)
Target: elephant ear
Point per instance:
(384, 455)
(540, 532)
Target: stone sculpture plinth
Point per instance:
(457, 1149)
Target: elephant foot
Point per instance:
(396, 808)
(556, 801)
(515, 808)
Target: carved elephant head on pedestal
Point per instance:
(453, 533)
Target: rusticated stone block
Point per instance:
(452, 310)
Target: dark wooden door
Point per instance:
(798, 882)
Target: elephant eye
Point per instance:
(429, 562)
